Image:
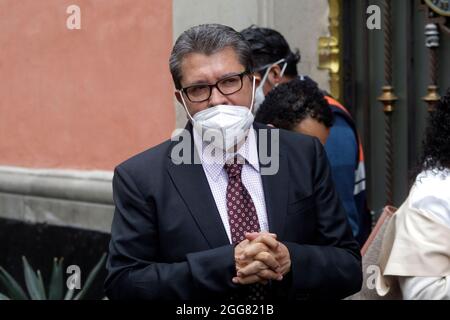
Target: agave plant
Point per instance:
(35, 283)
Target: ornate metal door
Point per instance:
(390, 77)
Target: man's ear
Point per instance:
(180, 101)
(178, 96)
(274, 76)
(257, 78)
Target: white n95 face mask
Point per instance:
(259, 97)
(223, 125)
(259, 94)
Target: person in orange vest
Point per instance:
(298, 106)
(275, 63)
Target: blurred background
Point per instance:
(85, 84)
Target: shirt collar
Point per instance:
(213, 164)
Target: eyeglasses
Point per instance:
(226, 86)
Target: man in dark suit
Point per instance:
(223, 224)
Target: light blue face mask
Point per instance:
(259, 93)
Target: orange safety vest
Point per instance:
(360, 172)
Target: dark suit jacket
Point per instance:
(168, 241)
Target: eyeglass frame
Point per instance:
(211, 86)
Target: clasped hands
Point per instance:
(260, 258)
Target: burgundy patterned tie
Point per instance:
(241, 209)
(241, 215)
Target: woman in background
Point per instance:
(416, 246)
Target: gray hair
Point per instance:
(208, 39)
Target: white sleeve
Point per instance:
(425, 288)
(431, 194)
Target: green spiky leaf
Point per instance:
(13, 289)
(32, 282)
(91, 277)
(41, 286)
(55, 291)
(72, 282)
(69, 294)
(3, 297)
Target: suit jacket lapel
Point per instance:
(275, 187)
(192, 184)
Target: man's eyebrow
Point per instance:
(199, 82)
(229, 74)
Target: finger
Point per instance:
(249, 280)
(252, 268)
(243, 243)
(253, 249)
(267, 239)
(238, 257)
(284, 268)
(284, 261)
(282, 255)
(270, 275)
(268, 259)
(253, 235)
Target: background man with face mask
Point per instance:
(276, 64)
(221, 229)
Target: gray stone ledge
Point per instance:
(84, 186)
(81, 199)
(84, 215)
